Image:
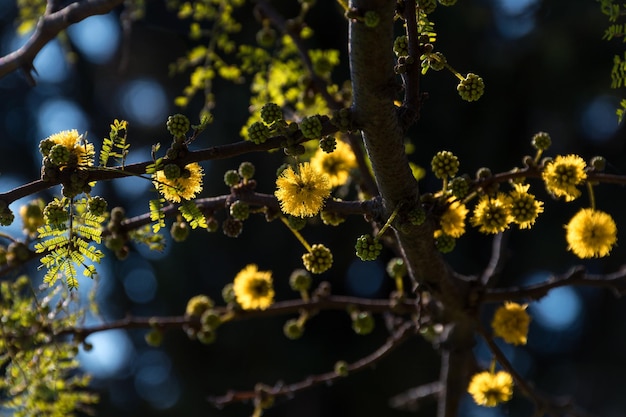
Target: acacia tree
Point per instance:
(345, 155)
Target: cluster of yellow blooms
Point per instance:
(253, 288)
(490, 388)
(185, 187)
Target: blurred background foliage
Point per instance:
(545, 68)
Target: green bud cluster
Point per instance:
(459, 187)
(541, 141)
(401, 45)
(231, 177)
(271, 112)
(341, 368)
(239, 210)
(228, 293)
(416, 216)
(206, 336)
(445, 243)
(232, 227)
(328, 144)
(362, 322)
(171, 171)
(45, 146)
(59, 155)
(210, 320)
(17, 253)
(447, 2)
(179, 231)
(55, 213)
(246, 170)
(444, 164)
(311, 127)
(368, 247)
(342, 119)
(318, 260)
(6, 215)
(471, 88)
(293, 329)
(266, 37)
(297, 223)
(154, 337)
(197, 305)
(97, 205)
(427, 6)
(331, 218)
(300, 280)
(435, 61)
(396, 267)
(598, 163)
(178, 125)
(258, 132)
(118, 237)
(212, 224)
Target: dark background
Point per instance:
(546, 69)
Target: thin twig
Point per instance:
(396, 339)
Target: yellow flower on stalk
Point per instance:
(524, 207)
(336, 165)
(185, 187)
(302, 193)
(510, 322)
(452, 221)
(253, 288)
(563, 174)
(82, 153)
(492, 215)
(591, 233)
(490, 389)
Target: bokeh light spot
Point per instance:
(365, 279)
(111, 355)
(144, 102)
(96, 37)
(56, 115)
(598, 119)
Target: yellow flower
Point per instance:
(186, 187)
(83, 152)
(524, 207)
(302, 193)
(489, 389)
(492, 215)
(510, 322)
(563, 174)
(452, 221)
(253, 288)
(336, 165)
(591, 233)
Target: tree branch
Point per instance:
(49, 26)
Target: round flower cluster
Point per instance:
(293, 329)
(311, 127)
(258, 132)
(271, 112)
(471, 88)
(444, 164)
(246, 170)
(239, 210)
(179, 231)
(171, 171)
(55, 213)
(231, 177)
(178, 125)
(367, 247)
(302, 192)
(490, 389)
(444, 243)
(563, 174)
(97, 205)
(253, 288)
(328, 144)
(591, 233)
(362, 322)
(318, 260)
(510, 322)
(459, 187)
(232, 227)
(401, 45)
(541, 141)
(300, 280)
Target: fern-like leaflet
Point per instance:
(115, 145)
(67, 246)
(192, 214)
(156, 214)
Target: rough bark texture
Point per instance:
(374, 86)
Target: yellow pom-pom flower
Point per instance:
(591, 233)
(253, 288)
(336, 165)
(490, 389)
(524, 207)
(72, 141)
(563, 174)
(510, 322)
(185, 187)
(302, 193)
(492, 215)
(452, 221)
